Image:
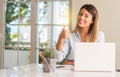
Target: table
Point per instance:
(35, 70)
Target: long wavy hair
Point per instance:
(93, 30)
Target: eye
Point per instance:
(86, 16)
(80, 14)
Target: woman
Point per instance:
(86, 30)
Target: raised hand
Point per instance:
(65, 32)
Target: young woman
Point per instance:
(86, 30)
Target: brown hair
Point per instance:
(92, 33)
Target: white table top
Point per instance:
(35, 70)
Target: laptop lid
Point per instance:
(94, 57)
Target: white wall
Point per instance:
(109, 20)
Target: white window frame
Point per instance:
(33, 58)
(1, 33)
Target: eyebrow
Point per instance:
(84, 14)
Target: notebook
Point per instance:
(94, 57)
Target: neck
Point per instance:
(83, 35)
(83, 31)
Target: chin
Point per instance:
(81, 26)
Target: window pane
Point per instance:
(11, 11)
(44, 12)
(11, 37)
(24, 57)
(44, 36)
(48, 35)
(56, 32)
(55, 12)
(60, 12)
(25, 12)
(24, 35)
(10, 57)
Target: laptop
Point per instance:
(94, 57)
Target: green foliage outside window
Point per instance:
(12, 15)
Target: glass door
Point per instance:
(17, 32)
(51, 16)
(31, 26)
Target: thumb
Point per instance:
(66, 27)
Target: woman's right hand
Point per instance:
(65, 33)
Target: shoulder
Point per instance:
(100, 37)
(74, 35)
(100, 33)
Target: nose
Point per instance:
(82, 17)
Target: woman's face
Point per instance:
(84, 19)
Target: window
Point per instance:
(31, 26)
(51, 16)
(17, 32)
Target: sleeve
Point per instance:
(100, 37)
(60, 55)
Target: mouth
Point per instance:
(81, 22)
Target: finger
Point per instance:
(66, 28)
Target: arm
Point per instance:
(61, 55)
(63, 35)
(69, 62)
(59, 44)
(62, 46)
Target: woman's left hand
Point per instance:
(69, 62)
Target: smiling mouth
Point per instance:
(81, 22)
